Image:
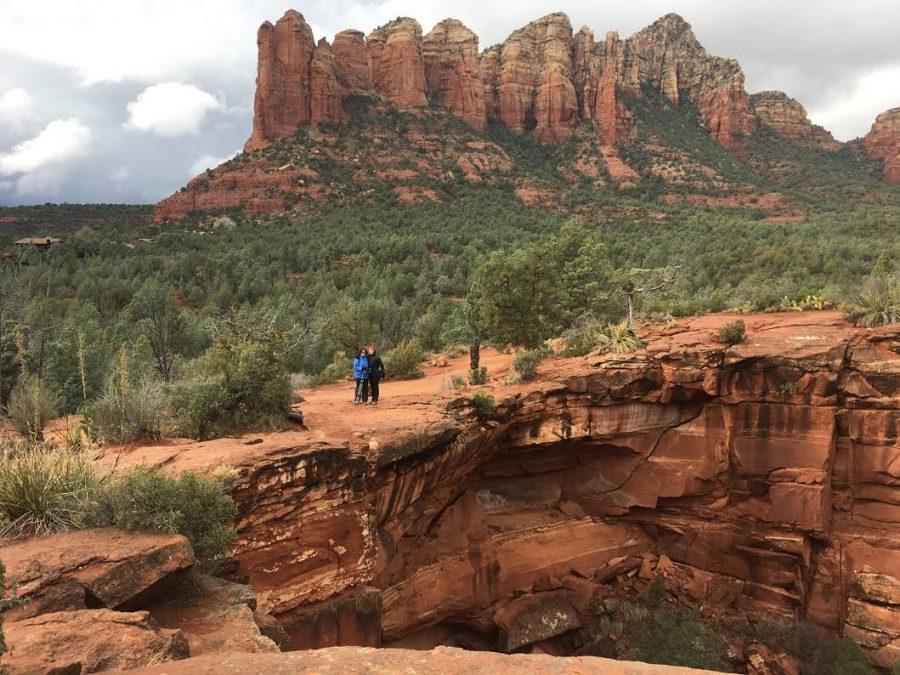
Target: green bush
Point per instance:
(733, 333)
(675, 636)
(526, 363)
(403, 361)
(846, 657)
(197, 406)
(127, 411)
(31, 406)
(479, 376)
(45, 489)
(877, 303)
(341, 367)
(240, 382)
(484, 405)
(584, 337)
(198, 507)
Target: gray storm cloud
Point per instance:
(138, 98)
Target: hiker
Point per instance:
(376, 372)
(361, 375)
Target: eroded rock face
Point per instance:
(327, 88)
(535, 90)
(352, 55)
(398, 66)
(786, 116)
(283, 102)
(883, 142)
(452, 71)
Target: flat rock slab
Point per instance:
(103, 567)
(88, 641)
(439, 661)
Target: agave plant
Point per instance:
(619, 338)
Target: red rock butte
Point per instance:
(544, 78)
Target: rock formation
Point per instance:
(452, 71)
(758, 479)
(542, 79)
(282, 102)
(352, 55)
(883, 142)
(786, 116)
(535, 88)
(398, 67)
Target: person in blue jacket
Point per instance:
(361, 375)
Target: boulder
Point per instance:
(104, 567)
(535, 617)
(214, 616)
(89, 641)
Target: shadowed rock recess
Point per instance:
(760, 479)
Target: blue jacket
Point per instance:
(361, 368)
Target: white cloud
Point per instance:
(61, 140)
(16, 109)
(120, 175)
(170, 109)
(874, 93)
(205, 162)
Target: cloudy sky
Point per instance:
(124, 100)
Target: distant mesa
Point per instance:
(545, 80)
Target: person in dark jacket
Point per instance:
(376, 372)
(361, 375)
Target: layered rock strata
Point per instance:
(543, 79)
(883, 142)
(787, 117)
(757, 479)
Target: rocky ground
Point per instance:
(757, 480)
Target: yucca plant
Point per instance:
(877, 303)
(31, 406)
(44, 489)
(619, 338)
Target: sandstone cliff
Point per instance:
(883, 142)
(786, 116)
(758, 479)
(543, 79)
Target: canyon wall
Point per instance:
(787, 117)
(759, 479)
(543, 79)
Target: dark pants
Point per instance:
(362, 389)
(373, 383)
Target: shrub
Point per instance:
(452, 382)
(846, 657)
(403, 361)
(526, 363)
(484, 405)
(241, 382)
(197, 406)
(31, 406)
(479, 376)
(675, 636)
(877, 303)
(197, 507)
(733, 333)
(341, 367)
(584, 337)
(127, 411)
(45, 489)
(2, 592)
